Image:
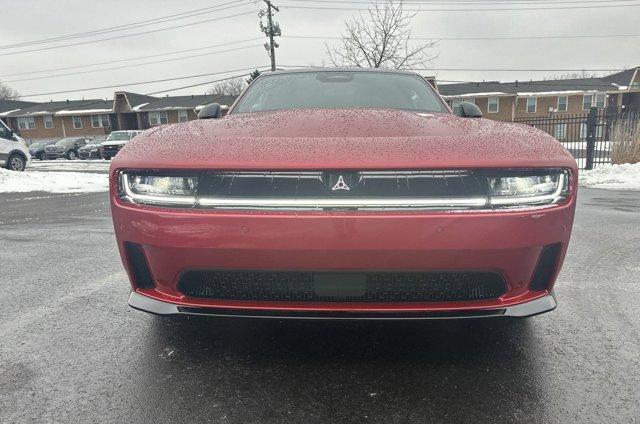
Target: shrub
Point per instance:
(626, 140)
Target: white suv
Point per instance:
(14, 153)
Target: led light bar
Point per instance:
(507, 190)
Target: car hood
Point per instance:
(89, 147)
(115, 143)
(343, 139)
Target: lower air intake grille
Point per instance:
(138, 263)
(342, 287)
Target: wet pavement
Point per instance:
(71, 351)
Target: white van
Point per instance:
(14, 153)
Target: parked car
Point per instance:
(114, 142)
(90, 151)
(343, 193)
(14, 154)
(66, 148)
(36, 150)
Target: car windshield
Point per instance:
(118, 135)
(340, 90)
(64, 141)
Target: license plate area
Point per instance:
(339, 285)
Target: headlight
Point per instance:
(493, 190)
(525, 190)
(172, 190)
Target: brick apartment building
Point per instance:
(509, 101)
(96, 117)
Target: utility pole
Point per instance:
(271, 30)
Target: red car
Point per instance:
(341, 193)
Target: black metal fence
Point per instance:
(589, 136)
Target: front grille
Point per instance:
(342, 287)
(364, 184)
(112, 150)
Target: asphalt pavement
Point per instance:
(71, 351)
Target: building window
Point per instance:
(563, 103)
(561, 131)
(583, 131)
(99, 121)
(77, 122)
(158, 118)
(48, 121)
(493, 105)
(593, 100)
(532, 104)
(26, 123)
(599, 130)
(182, 116)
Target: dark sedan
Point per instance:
(90, 151)
(66, 148)
(36, 150)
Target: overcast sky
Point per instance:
(29, 20)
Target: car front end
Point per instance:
(421, 221)
(110, 148)
(90, 151)
(55, 151)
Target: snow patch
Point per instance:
(137, 108)
(70, 112)
(8, 112)
(554, 93)
(52, 182)
(467, 95)
(612, 177)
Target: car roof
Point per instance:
(320, 69)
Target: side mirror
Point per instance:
(468, 110)
(210, 111)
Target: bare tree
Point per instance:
(572, 75)
(381, 39)
(8, 93)
(232, 87)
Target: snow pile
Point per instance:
(612, 177)
(89, 165)
(52, 182)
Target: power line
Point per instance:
(204, 83)
(130, 35)
(355, 9)
(162, 19)
(475, 3)
(480, 38)
(110, 62)
(137, 83)
(135, 65)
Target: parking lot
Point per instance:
(72, 350)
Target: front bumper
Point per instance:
(55, 155)
(537, 306)
(506, 242)
(84, 154)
